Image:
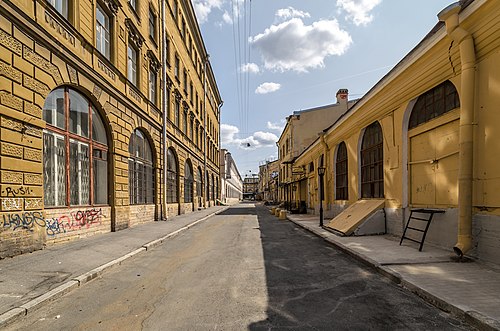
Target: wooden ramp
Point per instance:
(351, 218)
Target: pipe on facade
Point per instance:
(205, 137)
(218, 143)
(164, 108)
(463, 38)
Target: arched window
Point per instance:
(188, 182)
(208, 187)
(433, 103)
(75, 151)
(341, 188)
(372, 165)
(140, 170)
(213, 187)
(199, 183)
(172, 182)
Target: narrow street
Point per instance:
(240, 270)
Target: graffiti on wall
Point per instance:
(62, 224)
(23, 220)
(74, 221)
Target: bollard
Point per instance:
(282, 214)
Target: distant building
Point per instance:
(268, 181)
(301, 129)
(250, 188)
(231, 183)
(426, 136)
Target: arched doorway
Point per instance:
(433, 138)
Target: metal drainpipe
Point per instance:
(205, 130)
(164, 107)
(218, 142)
(449, 15)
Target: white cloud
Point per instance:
(226, 18)
(358, 11)
(294, 46)
(276, 126)
(259, 139)
(204, 7)
(290, 12)
(250, 67)
(265, 88)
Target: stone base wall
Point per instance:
(140, 214)
(68, 224)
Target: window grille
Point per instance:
(372, 167)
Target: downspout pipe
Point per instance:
(219, 193)
(465, 42)
(207, 58)
(164, 108)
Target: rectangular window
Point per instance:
(191, 94)
(100, 159)
(183, 30)
(133, 4)
(152, 25)
(132, 64)
(167, 50)
(61, 6)
(185, 82)
(79, 173)
(184, 122)
(177, 114)
(103, 28)
(152, 86)
(177, 67)
(54, 167)
(175, 9)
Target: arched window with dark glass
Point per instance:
(199, 183)
(188, 182)
(140, 169)
(75, 151)
(341, 188)
(172, 180)
(372, 165)
(207, 187)
(213, 187)
(433, 103)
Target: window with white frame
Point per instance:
(103, 29)
(132, 54)
(62, 7)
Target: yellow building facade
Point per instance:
(425, 136)
(83, 112)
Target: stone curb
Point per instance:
(476, 319)
(15, 313)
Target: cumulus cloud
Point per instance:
(290, 12)
(276, 126)
(250, 67)
(204, 7)
(260, 139)
(226, 18)
(265, 88)
(358, 11)
(292, 45)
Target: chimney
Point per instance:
(342, 95)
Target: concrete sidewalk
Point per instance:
(470, 290)
(30, 280)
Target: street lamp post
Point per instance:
(321, 173)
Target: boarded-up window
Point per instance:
(372, 167)
(341, 190)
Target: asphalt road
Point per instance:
(241, 270)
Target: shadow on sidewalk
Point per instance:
(311, 285)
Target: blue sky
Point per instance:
(272, 57)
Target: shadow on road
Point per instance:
(311, 285)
